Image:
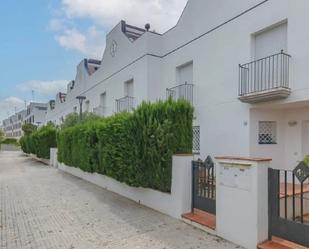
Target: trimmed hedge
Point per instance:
(40, 141)
(12, 141)
(134, 148)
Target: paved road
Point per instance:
(41, 207)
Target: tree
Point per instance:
(28, 129)
(70, 120)
(74, 119)
(1, 136)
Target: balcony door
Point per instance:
(103, 99)
(185, 74)
(270, 41)
(129, 88)
(87, 105)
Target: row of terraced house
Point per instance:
(243, 64)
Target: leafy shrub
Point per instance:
(13, 141)
(135, 148)
(2, 135)
(74, 119)
(28, 128)
(40, 141)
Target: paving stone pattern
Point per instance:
(44, 208)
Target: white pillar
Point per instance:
(54, 157)
(182, 184)
(242, 200)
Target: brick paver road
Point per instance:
(41, 207)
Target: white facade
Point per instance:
(205, 49)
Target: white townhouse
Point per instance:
(66, 103)
(243, 64)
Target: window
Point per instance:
(196, 140)
(75, 109)
(267, 132)
(41, 108)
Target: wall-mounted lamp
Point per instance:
(292, 123)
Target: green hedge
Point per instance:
(12, 141)
(40, 141)
(135, 148)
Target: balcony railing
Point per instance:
(125, 104)
(265, 79)
(184, 91)
(100, 111)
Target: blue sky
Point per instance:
(42, 41)
(28, 48)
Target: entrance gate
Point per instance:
(289, 204)
(204, 185)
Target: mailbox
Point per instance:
(236, 176)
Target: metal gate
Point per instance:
(289, 204)
(204, 185)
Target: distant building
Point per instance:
(12, 126)
(34, 114)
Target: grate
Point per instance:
(267, 132)
(196, 140)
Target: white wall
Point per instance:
(289, 149)
(174, 204)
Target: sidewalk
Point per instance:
(41, 207)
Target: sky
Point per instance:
(42, 41)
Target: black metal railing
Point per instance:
(289, 204)
(204, 185)
(264, 74)
(184, 91)
(125, 104)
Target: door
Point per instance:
(204, 185)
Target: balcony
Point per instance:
(100, 111)
(125, 104)
(184, 91)
(265, 79)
